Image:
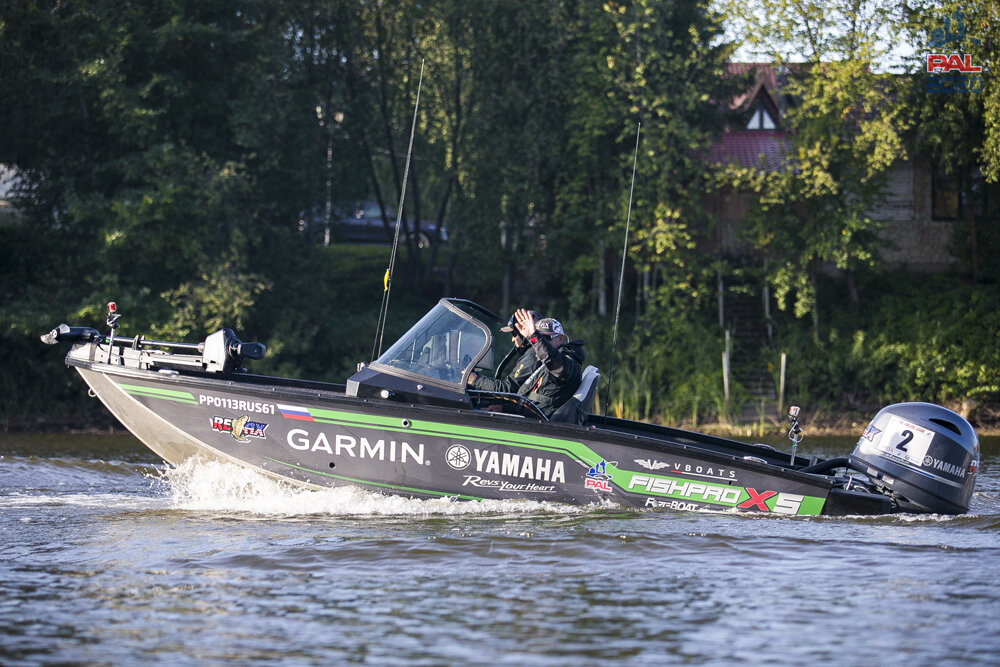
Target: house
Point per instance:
(758, 140)
(919, 206)
(919, 209)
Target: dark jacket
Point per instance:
(526, 365)
(558, 374)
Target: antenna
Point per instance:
(383, 313)
(621, 278)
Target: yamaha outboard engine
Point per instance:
(924, 455)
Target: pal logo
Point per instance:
(952, 72)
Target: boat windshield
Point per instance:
(445, 345)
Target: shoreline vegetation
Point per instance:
(666, 374)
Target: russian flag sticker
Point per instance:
(295, 412)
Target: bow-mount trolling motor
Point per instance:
(923, 455)
(220, 352)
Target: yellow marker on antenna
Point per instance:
(385, 281)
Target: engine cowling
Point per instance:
(926, 454)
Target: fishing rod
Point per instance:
(383, 313)
(621, 278)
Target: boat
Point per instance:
(407, 424)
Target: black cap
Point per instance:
(510, 326)
(549, 327)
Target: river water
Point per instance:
(107, 557)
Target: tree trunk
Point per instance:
(507, 280)
(973, 245)
(602, 281)
(853, 297)
(815, 301)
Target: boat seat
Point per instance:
(574, 410)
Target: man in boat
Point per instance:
(559, 371)
(516, 367)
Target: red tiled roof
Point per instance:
(751, 148)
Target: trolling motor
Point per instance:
(795, 432)
(220, 352)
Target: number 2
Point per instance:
(907, 436)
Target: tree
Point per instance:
(150, 147)
(847, 132)
(661, 65)
(960, 131)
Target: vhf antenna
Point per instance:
(621, 278)
(383, 313)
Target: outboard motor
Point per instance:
(925, 455)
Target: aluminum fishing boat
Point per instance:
(407, 424)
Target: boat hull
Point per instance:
(317, 439)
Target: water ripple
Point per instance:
(118, 561)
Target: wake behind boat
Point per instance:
(407, 424)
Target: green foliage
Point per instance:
(669, 369)
(166, 153)
(958, 129)
(662, 65)
(959, 133)
(847, 131)
(903, 347)
(224, 299)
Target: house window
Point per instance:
(761, 119)
(946, 200)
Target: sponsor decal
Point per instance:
(458, 457)
(295, 412)
(726, 495)
(503, 485)
(945, 467)
(241, 428)
(492, 462)
(598, 477)
(236, 405)
(357, 448)
(757, 499)
(870, 433)
(671, 504)
(711, 472)
(717, 494)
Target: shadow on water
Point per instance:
(107, 446)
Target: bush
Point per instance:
(902, 346)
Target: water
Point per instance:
(105, 558)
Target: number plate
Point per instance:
(904, 441)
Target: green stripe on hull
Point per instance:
(809, 506)
(154, 392)
(726, 495)
(572, 448)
